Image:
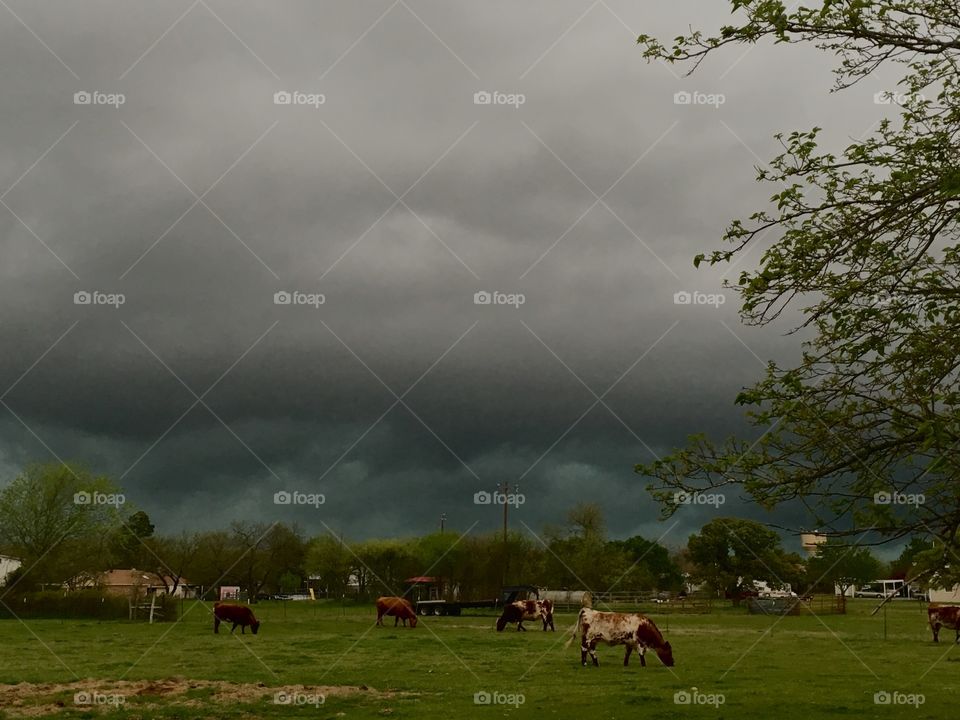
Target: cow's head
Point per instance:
(254, 626)
(501, 622)
(413, 620)
(665, 653)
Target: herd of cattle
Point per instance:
(633, 630)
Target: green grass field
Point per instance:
(794, 667)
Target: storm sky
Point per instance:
(582, 186)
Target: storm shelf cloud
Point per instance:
(390, 253)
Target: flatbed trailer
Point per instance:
(454, 607)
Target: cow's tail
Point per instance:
(576, 629)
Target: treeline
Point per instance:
(68, 527)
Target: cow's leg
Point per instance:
(583, 650)
(520, 626)
(593, 653)
(958, 633)
(233, 628)
(642, 651)
(936, 631)
(379, 618)
(216, 624)
(397, 620)
(626, 658)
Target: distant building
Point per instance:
(811, 541)
(135, 582)
(7, 565)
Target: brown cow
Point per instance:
(399, 608)
(517, 612)
(947, 616)
(631, 629)
(237, 614)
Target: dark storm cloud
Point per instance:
(398, 199)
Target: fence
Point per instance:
(650, 603)
(85, 604)
(810, 605)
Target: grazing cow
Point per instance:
(237, 614)
(517, 612)
(634, 630)
(399, 608)
(947, 616)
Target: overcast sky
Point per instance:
(388, 187)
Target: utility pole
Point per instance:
(443, 518)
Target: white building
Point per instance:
(7, 565)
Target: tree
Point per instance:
(841, 566)
(651, 566)
(128, 545)
(171, 557)
(59, 519)
(730, 554)
(904, 567)
(331, 562)
(865, 248)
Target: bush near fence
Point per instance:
(81, 604)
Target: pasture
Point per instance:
(792, 667)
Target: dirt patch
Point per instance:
(42, 699)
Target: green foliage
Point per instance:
(865, 249)
(839, 564)
(731, 553)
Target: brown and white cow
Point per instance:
(634, 630)
(947, 616)
(517, 612)
(237, 614)
(397, 607)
